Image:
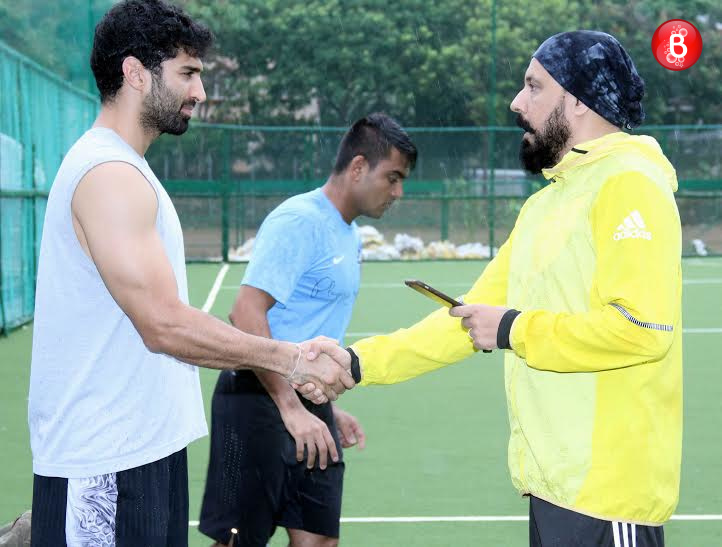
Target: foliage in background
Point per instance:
(327, 62)
(429, 63)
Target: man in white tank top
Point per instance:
(114, 390)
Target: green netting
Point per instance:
(40, 117)
(224, 180)
(467, 186)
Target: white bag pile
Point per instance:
(405, 247)
(374, 246)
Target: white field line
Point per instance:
(399, 285)
(215, 288)
(396, 285)
(712, 330)
(703, 281)
(476, 518)
(704, 262)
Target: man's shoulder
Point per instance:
(97, 147)
(639, 153)
(302, 210)
(626, 169)
(100, 141)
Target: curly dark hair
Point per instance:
(150, 30)
(372, 137)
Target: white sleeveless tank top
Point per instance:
(100, 401)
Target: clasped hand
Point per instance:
(324, 370)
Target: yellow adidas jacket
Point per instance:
(594, 381)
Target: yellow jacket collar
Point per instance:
(590, 151)
(587, 152)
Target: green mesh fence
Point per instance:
(40, 117)
(467, 185)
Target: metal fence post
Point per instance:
(3, 324)
(225, 188)
(491, 204)
(491, 136)
(34, 247)
(444, 216)
(308, 155)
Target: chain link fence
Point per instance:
(467, 186)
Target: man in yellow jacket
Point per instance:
(585, 296)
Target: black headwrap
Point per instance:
(596, 69)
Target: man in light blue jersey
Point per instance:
(301, 282)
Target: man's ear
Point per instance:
(579, 108)
(137, 76)
(358, 166)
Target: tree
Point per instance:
(429, 63)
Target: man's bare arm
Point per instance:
(114, 214)
(250, 313)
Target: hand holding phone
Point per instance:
(429, 292)
(435, 295)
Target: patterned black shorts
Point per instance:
(144, 506)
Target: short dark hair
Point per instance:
(372, 137)
(150, 30)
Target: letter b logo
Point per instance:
(677, 44)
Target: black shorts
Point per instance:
(146, 505)
(254, 481)
(554, 526)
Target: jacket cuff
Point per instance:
(366, 375)
(502, 334)
(355, 365)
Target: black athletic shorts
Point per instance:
(145, 506)
(254, 481)
(553, 526)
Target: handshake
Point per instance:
(323, 370)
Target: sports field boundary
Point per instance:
(215, 288)
(473, 518)
(399, 284)
(701, 330)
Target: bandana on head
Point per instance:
(596, 69)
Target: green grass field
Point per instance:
(436, 445)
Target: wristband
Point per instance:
(355, 366)
(504, 330)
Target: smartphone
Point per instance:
(431, 292)
(435, 295)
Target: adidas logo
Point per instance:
(632, 227)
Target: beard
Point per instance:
(162, 110)
(545, 150)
